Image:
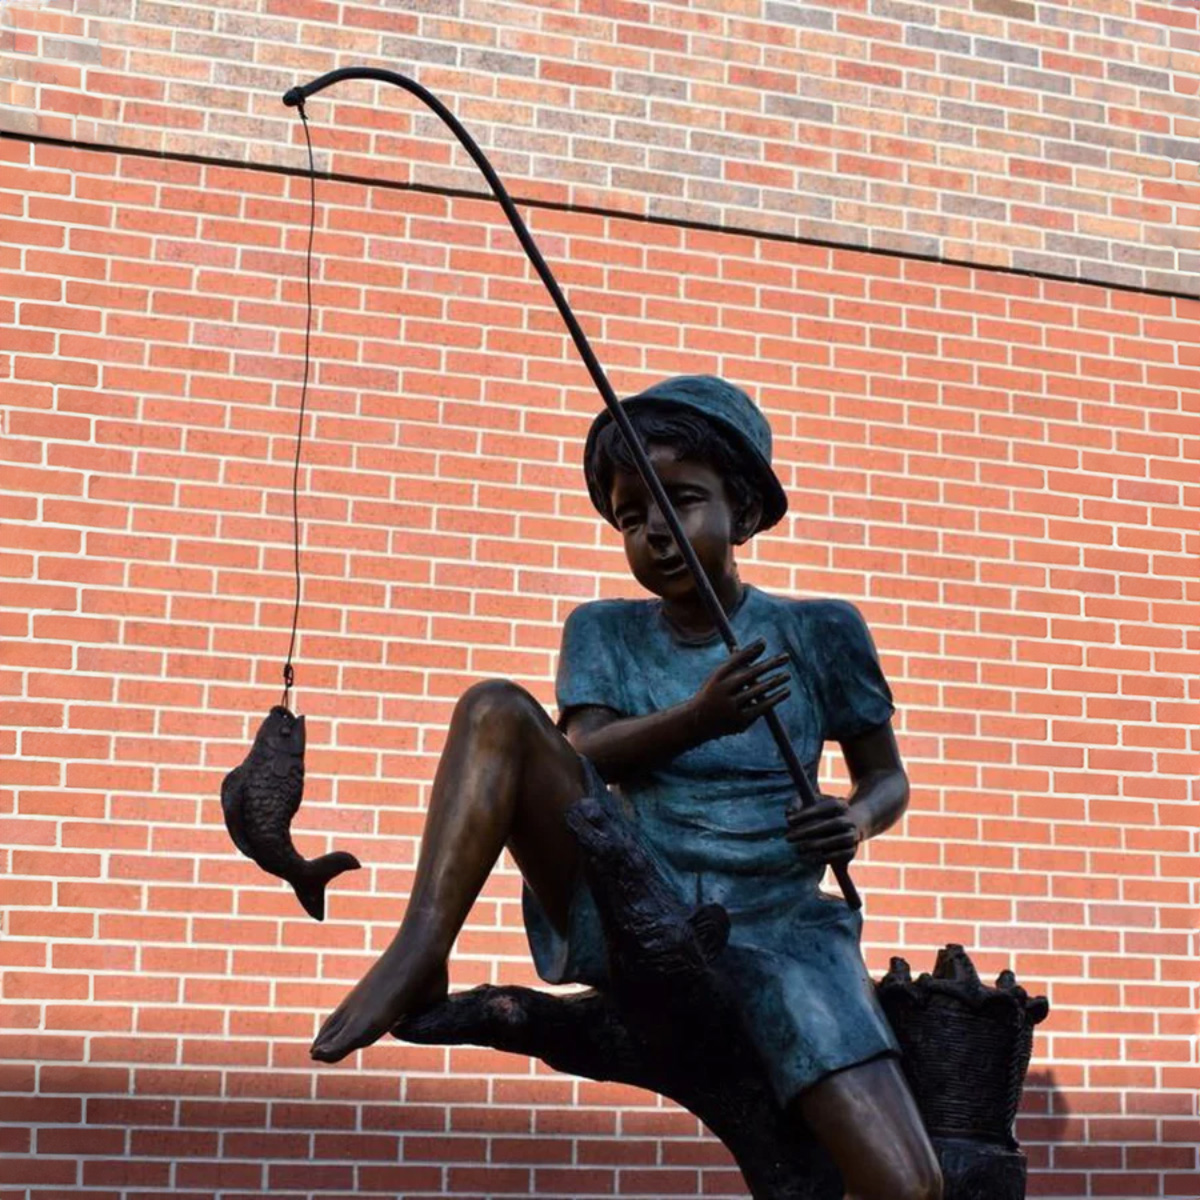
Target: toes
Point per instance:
(325, 1041)
(327, 1033)
(331, 1049)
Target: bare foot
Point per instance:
(389, 991)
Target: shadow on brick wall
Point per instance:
(1079, 1142)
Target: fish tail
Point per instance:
(310, 888)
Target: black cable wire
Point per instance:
(288, 673)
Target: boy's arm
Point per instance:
(879, 794)
(622, 746)
(831, 829)
(732, 697)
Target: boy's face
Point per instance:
(699, 496)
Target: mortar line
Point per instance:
(597, 211)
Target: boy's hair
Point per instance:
(692, 437)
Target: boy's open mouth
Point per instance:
(670, 566)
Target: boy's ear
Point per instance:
(746, 522)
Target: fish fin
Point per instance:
(231, 805)
(310, 889)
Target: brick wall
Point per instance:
(999, 470)
(1059, 137)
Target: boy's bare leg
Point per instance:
(867, 1119)
(506, 777)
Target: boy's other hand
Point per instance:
(735, 695)
(825, 832)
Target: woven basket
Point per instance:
(966, 1046)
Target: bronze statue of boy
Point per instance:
(651, 706)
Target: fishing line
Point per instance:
(289, 674)
(261, 795)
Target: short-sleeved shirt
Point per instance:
(714, 816)
(717, 810)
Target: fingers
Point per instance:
(749, 713)
(826, 808)
(752, 695)
(823, 832)
(832, 850)
(740, 691)
(740, 658)
(827, 844)
(833, 831)
(827, 818)
(745, 678)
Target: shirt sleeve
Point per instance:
(854, 694)
(589, 668)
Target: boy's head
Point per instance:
(701, 418)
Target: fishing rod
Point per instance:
(295, 98)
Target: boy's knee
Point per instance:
(924, 1183)
(913, 1174)
(496, 706)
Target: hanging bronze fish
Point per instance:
(261, 797)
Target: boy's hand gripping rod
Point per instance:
(294, 98)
